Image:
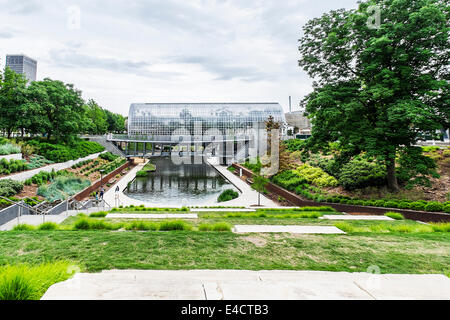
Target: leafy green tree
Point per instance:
(378, 89)
(60, 106)
(12, 97)
(96, 118)
(259, 184)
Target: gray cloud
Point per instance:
(6, 35)
(223, 69)
(70, 58)
(22, 7)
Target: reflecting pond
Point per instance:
(175, 185)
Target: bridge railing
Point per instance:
(177, 138)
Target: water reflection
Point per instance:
(173, 184)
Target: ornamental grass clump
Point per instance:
(142, 226)
(23, 227)
(174, 225)
(48, 226)
(100, 214)
(9, 148)
(25, 282)
(62, 187)
(395, 215)
(217, 227)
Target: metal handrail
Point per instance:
(26, 206)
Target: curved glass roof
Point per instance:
(164, 118)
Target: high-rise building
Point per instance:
(22, 64)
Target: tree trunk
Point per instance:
(391, 177)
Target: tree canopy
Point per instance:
(52, 109)
(378, 90)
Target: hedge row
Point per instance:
(420, 205)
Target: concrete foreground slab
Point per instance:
(287, 229)
(151, 216)
(350, 217)
(247, 285)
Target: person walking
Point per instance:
(102, 192)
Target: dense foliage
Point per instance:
(10, 187)
(360, 173)
(67, 151)
(63, 187)
(228, 195)
(52, 109)
(379, 89)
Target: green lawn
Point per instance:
(400, 246)
(100, 250)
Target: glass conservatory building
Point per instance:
(227, 129)
(164, 119)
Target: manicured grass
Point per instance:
(30, 282)
(389, 227)
(393, 253)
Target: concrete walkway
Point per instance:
(36, 220)
(248, 285)
(287, 229)
(124, 200)
(248, 196)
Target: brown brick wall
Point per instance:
(96, 185)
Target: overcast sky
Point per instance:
(120, 52)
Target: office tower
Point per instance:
(22, 64)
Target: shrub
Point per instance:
(9, 188)
(108, 156)
(360, 173)
(228, 195)
(434, 206)
(417, 206)
(9, 148)
(379, 203)
(447, 208)
(316, 176)
(395, 215)
(390, 204)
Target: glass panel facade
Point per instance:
(162, 119)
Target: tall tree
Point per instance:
(378, 89)
(12, 97)
(60, 106)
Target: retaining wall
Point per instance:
(11, 213)
(296, 200)
(96, 185)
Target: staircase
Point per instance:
(109, 146)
